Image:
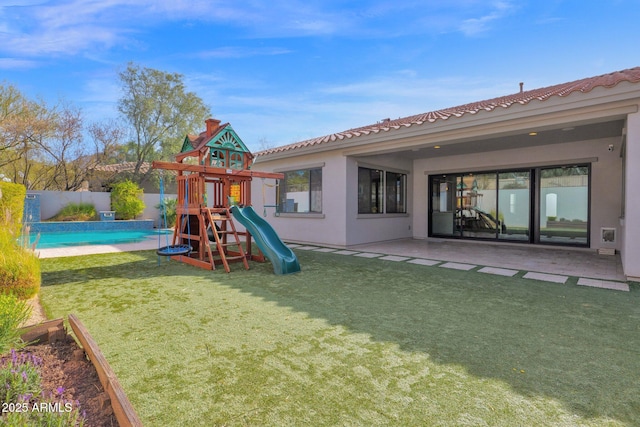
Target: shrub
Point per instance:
(11, 206)
(169, 211)
(19, 268)
(76, 212)
(13, 312)
(22, 390)
(126, 200)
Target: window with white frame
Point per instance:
(300, 191)
(381, 191)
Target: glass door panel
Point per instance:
(564, 205)
(477, 202)
(443, 198)
(514, 205)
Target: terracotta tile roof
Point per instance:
(584, 85)
(122, 167)
(126, 167)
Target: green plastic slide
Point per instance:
(283, 259)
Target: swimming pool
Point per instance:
(83, 238)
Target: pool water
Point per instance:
(114, 237)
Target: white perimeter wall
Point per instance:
(606, 178)
(51, 202)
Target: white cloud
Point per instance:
(13, 63)
(240, 52)
(475, 26)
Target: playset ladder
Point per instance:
(227, 228)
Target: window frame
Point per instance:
(379, 205)
(312, 199)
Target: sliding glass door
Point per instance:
(443, 202)
(538, 205)
(564, 205)
(514, 205)
(477, 203)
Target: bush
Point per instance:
(19, 268)
(13, 312)
(11, 206)
(22, 391)
(76, 212)
(169, 210)
(126, 200)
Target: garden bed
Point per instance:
(69, 375)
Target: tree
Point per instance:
(43, 147)
(107, 139)
(160, 112)
(12, 106)
(26, 132)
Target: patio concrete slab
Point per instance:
(498, 271)
(368, 255)
(458, 266)
(576, 262)
(325, 250)
(546, 277)
(345, 252)
(307, 248)
(395, 258)
(420, 261)
(604, 284)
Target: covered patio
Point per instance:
(574, 262)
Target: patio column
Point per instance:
(631, 229)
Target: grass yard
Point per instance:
(354, 341)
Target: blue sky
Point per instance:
(288, 70)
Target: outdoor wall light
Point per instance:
(533, 133)
(436, 147)
(610, 147)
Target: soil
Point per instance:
(64, 364)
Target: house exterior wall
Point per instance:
(631, 221)
(339, 224)
(365, 228)
(593, 105)
(327, 228)
(606, 178)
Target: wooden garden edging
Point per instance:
(122, 408)
(45, 332)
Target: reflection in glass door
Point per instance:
(443, 205)
(477, 201)
(514, 205)
(539, 205)
(564, 205)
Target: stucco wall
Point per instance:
(52, 201)
(606, 177)
(631, 242)
(326, 228)
(339, 224)
(365, 228)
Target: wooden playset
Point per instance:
(213, 178)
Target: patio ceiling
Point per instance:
(566, 133)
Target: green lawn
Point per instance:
(354, 341)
